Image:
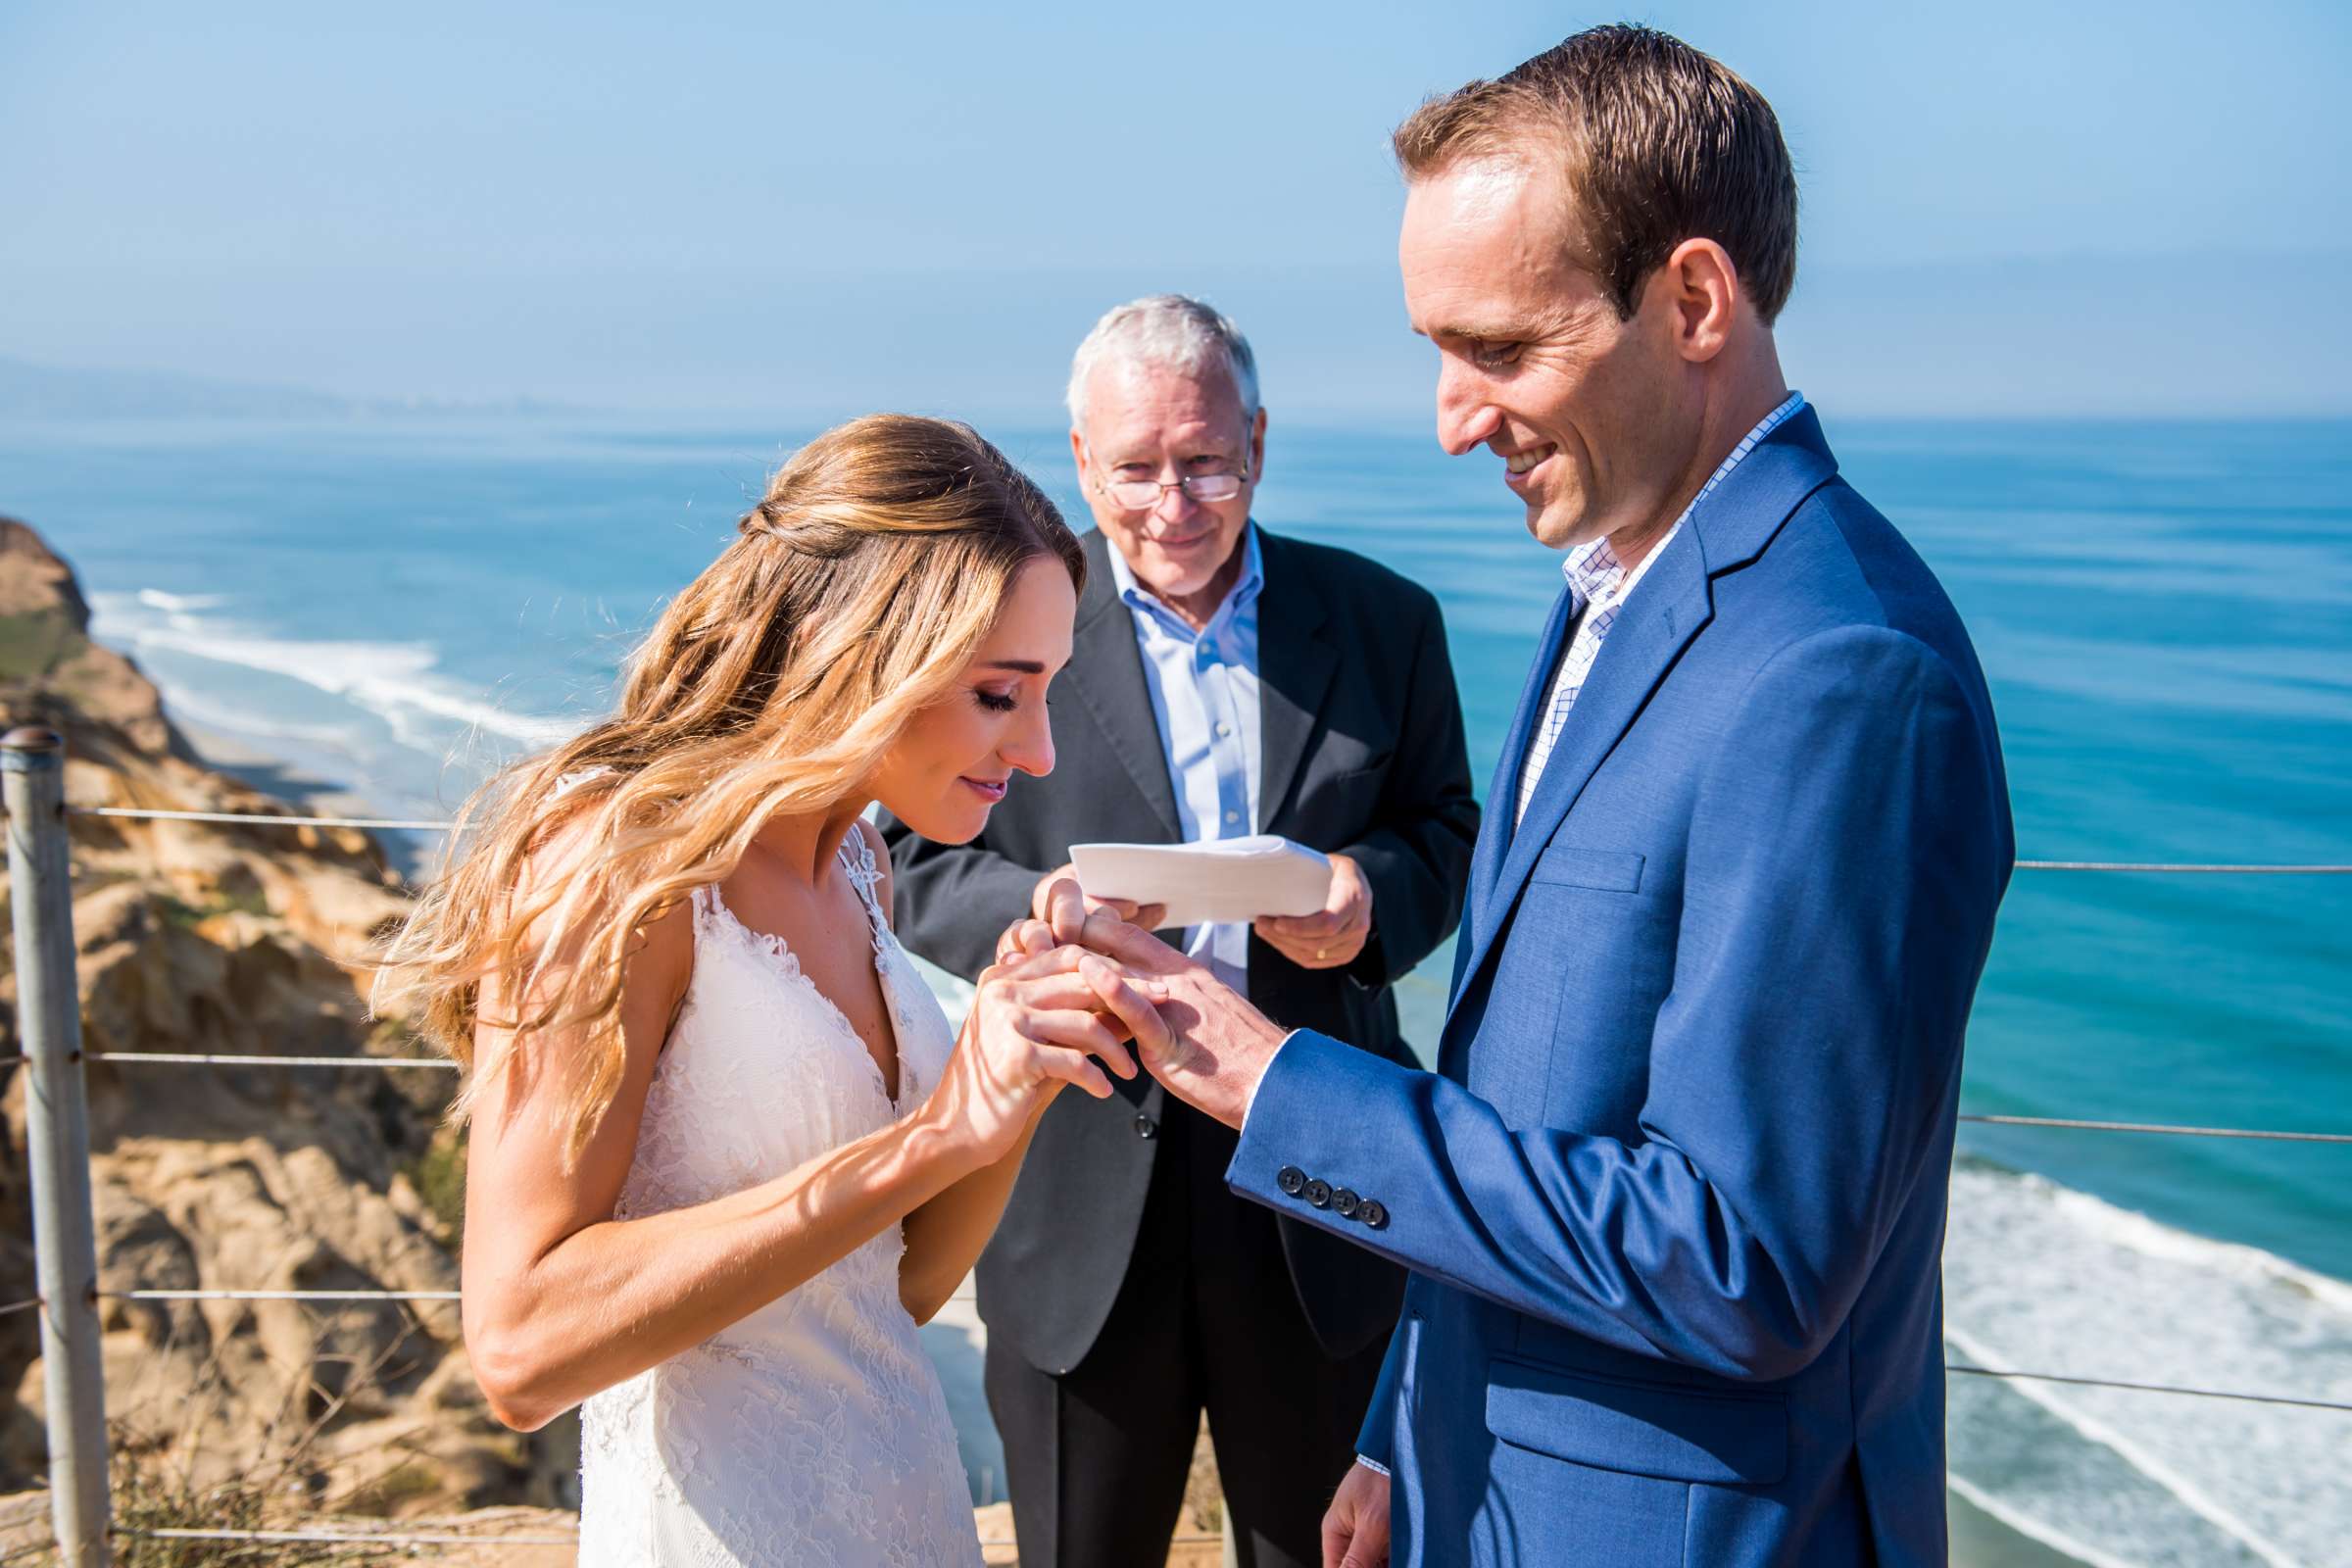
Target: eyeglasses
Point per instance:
(1142, 495)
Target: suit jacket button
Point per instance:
(1145, 1128)
(1345, 1204)
(1291, 1180)
(1319, 1194)
(1372, 1214)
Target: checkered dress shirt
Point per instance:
(1600, 584)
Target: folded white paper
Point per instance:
(1203, 884)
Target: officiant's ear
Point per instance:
(1700, 291)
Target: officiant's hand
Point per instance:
(1333, 936)
(1033, 1025)
(1196, 1034)
(1148, 916)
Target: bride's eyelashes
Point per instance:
(998, 701)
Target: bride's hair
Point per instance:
(854, 594)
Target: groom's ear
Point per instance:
(1703, 296)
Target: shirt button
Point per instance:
(1224, 729)
(1233, 816)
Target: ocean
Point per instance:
(2165, 612)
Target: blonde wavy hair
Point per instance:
(853, 597)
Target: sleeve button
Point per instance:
(1345, 1204)
(1319, 1194)
(1292, 1180)
(1372, 1213)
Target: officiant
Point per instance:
(1225, 681)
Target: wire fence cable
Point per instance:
(443, 1065)
(2159, 1127)
(2150, 1388)
(419, 825)
(237, 1060)
(143, 814)
(280, 1295)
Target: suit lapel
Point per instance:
(1669, 606)
(1732, 528)
(1107, 670)
(1295, 664)
(1502, 792)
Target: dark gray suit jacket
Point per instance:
(1362, 752)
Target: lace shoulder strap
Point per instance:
(857, 859)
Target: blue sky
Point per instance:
(776, 209)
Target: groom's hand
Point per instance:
(1356, 1529)
(1203, 1040)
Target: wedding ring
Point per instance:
(1322, 952)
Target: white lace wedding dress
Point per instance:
(813, 1431)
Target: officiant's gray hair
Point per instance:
(1170, 330)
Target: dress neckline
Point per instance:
(863, 873)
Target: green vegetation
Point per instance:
(33, 645)
(178, 912)
(439, 1177)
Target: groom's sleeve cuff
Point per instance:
(1373, 1465)
(1262, 1076)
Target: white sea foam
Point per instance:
(2038, 1277)
(180, 603)
(399, 682)
(2026, 1524)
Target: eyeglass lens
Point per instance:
(1136, 494)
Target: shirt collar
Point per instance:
(1241, 594)
(1593, 571)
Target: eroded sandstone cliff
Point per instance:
(205, 939)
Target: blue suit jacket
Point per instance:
(1673, 1200)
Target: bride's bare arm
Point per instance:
(562, 1299)
(945, 1236)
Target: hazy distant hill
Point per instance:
(42, 391)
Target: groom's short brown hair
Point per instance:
(1661, 144)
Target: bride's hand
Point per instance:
(1034, 1023)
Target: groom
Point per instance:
(1674, 1199)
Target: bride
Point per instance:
(726, 1153)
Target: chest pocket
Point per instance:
(1575, 989)
(1569, 866)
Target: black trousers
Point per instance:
(1096, 1459)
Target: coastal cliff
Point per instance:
(207, 938)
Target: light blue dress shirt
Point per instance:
(1204, 688)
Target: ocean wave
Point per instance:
(2040, 1276)
(399, 682)
(180, 603)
